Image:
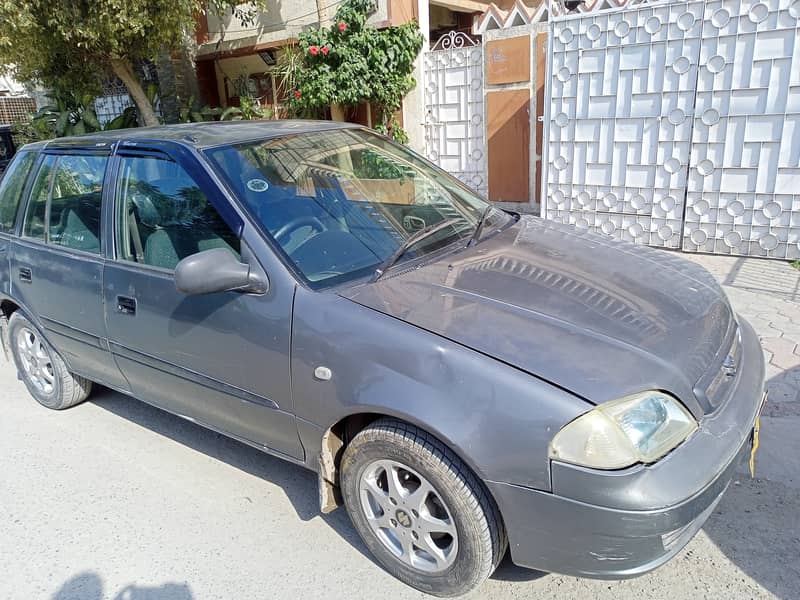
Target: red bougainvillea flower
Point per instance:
(342, 25)
(325, 50)
(314, 50)
(297, 94)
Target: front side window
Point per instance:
(163, 216)
(342, 203)
(11, 189)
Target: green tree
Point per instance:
(352, 62)
(68, 45)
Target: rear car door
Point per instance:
(11, 190)
(56, 264)
(219, 359)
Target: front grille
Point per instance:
(716, 385)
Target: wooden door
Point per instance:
(509, 145)
(540, 56)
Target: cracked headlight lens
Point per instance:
(636, 429)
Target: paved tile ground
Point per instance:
(117, 500)
(767, 294)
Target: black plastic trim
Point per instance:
(192, 376)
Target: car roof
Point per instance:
(197, 135)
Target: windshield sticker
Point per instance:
(257, 185)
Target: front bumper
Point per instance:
(619, 524)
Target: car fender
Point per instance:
(4, 339)
(497, 418)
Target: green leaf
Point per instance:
(129, 118)
(62, 124)
(90, 118)
(116, 123)
(151, 92)
(230, 112)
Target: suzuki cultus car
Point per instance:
(465, 380)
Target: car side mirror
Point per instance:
(218, 270)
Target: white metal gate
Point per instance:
(454, 113)
(677, 124)
(744, 175)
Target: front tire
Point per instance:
(420, 510)
(41, 368)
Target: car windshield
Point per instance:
(342, 204)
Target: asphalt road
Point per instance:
(115, 499)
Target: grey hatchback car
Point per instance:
(463, 379)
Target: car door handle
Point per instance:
(25, 275)
(126, 306)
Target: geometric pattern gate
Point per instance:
(744, 175)
(454, 109)
(677, 124)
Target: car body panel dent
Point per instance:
(382, 365)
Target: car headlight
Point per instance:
(636, 429)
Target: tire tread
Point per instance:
(480, 502)
(74, 389)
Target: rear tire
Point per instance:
(434, 526)
(41, 368)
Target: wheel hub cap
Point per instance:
(408, 515)
(403, 518)
(35, 360)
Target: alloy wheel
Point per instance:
(36, 361)
(408, 515)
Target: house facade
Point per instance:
(235, 58)
(635, 118)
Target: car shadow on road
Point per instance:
(757, 523)
(298, 483)
(89, 586)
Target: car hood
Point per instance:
(594, 315)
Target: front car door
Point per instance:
(220, 359)
(56, 265)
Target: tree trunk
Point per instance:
(337, 112)
(322, 13)
(124, 70)
(188, 53)
(168, 88)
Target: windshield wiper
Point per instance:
(410, 243)
(476, 235)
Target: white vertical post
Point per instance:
(414, 103)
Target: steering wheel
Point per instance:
(296, 224)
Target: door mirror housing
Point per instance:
(218, 270)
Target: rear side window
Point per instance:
(75, 202)
(37, 205)
(163, 215)
(65, 202)
(11, 188)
